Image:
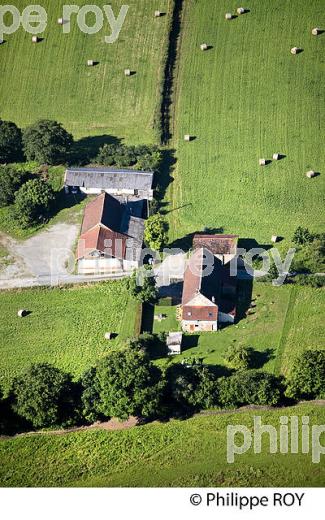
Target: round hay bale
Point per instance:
(276, 156)
(90, 63)
(240, 10)
(60, 21)
(157, 14)
(311, 174)
(228, 16)
(187, 137)
(22, 313)
(127, 72)
(262, 162)
(108, 336)
(315, 31)
(34, 39)
(294, 50)
(274, 238)
(203, 46)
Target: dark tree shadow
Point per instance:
(244, 298)
(65, 201)
(259, 359)
(164, 177)
(86, 149)
(148, 313)
(190, 341)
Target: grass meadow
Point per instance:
(246, 98)
(283, 322)
(51, 79)
(188, 453)
(65, 327)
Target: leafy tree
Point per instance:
(10, 181)
(302, 236)
(47, 142)
(43, 395)
(191, 388)
(307, 376)
(33, 201)
(143, 286)
(10, 142)
(249, 387)
(129, 384)
(155, 233)
(90, 397)
(239, 356)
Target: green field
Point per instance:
(285, 321)
(66, 326)
(178, 454)
(51, 79)
(244, 99)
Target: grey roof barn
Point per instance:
(113, 181)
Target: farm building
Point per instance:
(93, 181)
(208, 293)
(111, 236)
(223, 247)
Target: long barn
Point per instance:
(93, 181)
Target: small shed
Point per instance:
(316, 31)
(204, 46)
(228, 16)
(274, 239)
(187, 137)
(295, 50)
(276, 156)
(240, 10)
(127, 72)
(311, 174)
(60, 21)
(262, 162)
(174, 343)
(34, 39)
(90, 63)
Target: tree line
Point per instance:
(126, 382)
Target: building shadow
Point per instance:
(185, 243)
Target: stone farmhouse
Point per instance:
(209, 291)
(111, 236)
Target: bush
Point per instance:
(143, 157)
(129, 384)
(142, 286)
(10, 142)
(33, 202)
(43, 396)
(239, 357)
(90, 397)
(307, 376)
(155, 233)
(302, 236)
(47, 142)
(10, 181)
(249, 387)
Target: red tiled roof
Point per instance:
(209, 313)
(193, 277)
(102, 220)
(216, 244)
(103, 240)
